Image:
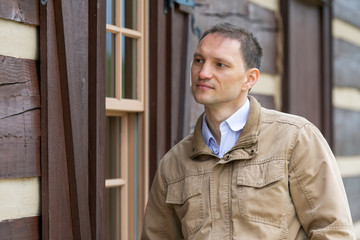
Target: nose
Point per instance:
(205, 72)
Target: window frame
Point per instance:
(127, 110)
(118, 103)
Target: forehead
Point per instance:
(219, 46)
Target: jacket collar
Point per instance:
(247, 142)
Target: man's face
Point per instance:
(218, 73)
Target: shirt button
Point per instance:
(217, 215)
(260, 181)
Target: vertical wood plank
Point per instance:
(56, 217)
(307, 78)
(97, 124)
(178, 31)
(159, 103)
(327, 73)
(73, 118)
(72, 45)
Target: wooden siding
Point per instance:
(352, 188)
(347, 10)
(346, 64)
(24, 229)
(72, 122)
(347, 140)
(19, 118)
(26, 11)
(96, 119)
(159, 102)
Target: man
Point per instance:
(246, 172)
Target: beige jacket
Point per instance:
(279, 181)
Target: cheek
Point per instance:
(193, 71)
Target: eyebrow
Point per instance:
(197, 55)
(216, 59)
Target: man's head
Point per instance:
(251, 50)
(225, 67)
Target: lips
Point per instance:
(203, 86)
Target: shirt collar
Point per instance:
(236, 122)
(207, 135)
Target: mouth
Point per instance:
(203, 86)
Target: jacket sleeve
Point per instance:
(317, 189)
(160, 221)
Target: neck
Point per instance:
(216, 115)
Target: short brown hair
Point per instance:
(250, 47)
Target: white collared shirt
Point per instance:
(230, 130)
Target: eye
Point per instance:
(221, 65)
(198, 60)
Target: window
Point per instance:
(126, 117)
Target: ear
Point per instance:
(252, 78)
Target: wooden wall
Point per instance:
(52, 119)
(346, 92)
(19, 120)
(72, 44)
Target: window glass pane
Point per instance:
(129, 68)
(113, 213)
(110, 12)
(129, 14)
(113, 147)
(110, 65)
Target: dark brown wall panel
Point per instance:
(26, 11)
(23, 228)
(305, 62)
(73, 182)
(97, 125)
(346, 64)
(307, 77)
(347, 11)
(346, 134)
(159, 119)
(19, 118)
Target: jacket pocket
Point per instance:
(185, 196)
(262, 192)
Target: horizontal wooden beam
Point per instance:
(19, 118)
(23, 228)
(26, 11)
